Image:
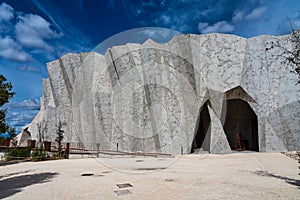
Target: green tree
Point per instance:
(294, 54)
(5, 95)
(59, 138)
(11, 132)
(291, 55)
(11, 135)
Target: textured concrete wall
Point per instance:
(148, 97)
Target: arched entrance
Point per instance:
(241, 125)
(202, 130)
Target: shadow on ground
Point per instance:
(13, 174)
(12, 162)
(291, 181)
(12, 185)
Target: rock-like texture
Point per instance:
(149, 97)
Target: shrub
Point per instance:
(38, 154)
(18, 153)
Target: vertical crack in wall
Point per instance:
(114, 64)
(55, 98)
(66, 80)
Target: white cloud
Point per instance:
(9, 49)
(256, 13)
(6, 12)
(27, 104)
(159, 32)
(20, 118)
(30, 68)
(22, 113)
(32, 31)
(178, 23)
(219, 27)
(165, 19)
(237, 16)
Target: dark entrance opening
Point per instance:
(241, 126)
(202, 128)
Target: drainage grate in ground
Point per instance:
(122, 192)
(170, 180)
(139, 161)
(87, 174)
(98, 175)
(106, 172)
(151, 168)
(124, 185)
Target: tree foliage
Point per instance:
(11, 132)
(295, 53)
(291, 55)
(59, 138)
(5, 95)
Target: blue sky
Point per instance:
(34, 32)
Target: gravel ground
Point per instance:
(293, 154)
(201, 176)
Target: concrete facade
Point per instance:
(149, 97)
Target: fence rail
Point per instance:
(86, 149)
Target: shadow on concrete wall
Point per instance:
(12, 185)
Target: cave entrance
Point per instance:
(241, 126)
(203, 128)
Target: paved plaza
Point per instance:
(197, 176)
